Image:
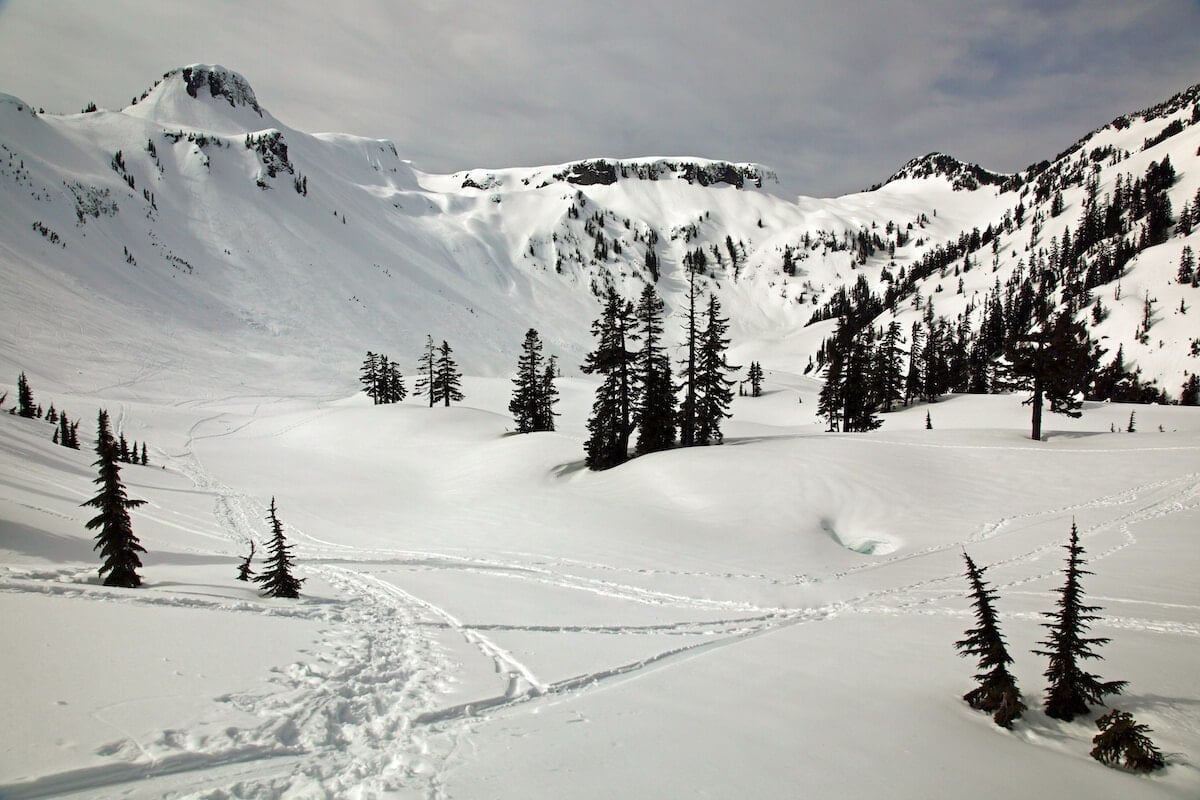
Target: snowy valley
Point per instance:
(482, 615)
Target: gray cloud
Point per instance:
(835, 96)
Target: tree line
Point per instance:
(66, 430)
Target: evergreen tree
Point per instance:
(446, 378)
(52, 414)
(277, 579)
(887, 371)
(611, 422)
(829, 401)
(369, 376)
(547, 396)
(1055, 363)
(1187, 265)
(26, 407)
(913, 385)
(145, 458)
(123, 449)
(997, 690)
(1189, 393)
(714, 392)
(654, 412)
(396, 390)
(858, 401)
(379, 392)
(756, 378)
(426, 371)
(1123, 742)
(64, 430)
(245, 572)
(118, 545)
(1071, 689)
(691, 333)
(928, 422)
(527, 404)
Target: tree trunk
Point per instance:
(1036, 435)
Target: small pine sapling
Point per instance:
(244, 570)
(928, 422)
(997, 692)
(1123, 743)
(277, 579)
(1131, 428)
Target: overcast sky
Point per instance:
(833, 95)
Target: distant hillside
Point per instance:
(233, 248)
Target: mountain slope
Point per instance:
(195, 209)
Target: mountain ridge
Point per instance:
(198, 205)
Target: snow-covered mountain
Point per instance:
(195, 209)
(480, 614)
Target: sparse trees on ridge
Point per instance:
(382, 380)
(438, 377)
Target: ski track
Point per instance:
(362, 717)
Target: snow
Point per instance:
(482, 616)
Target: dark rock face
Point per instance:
(220, 84)
(590, 173)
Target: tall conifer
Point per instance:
(527, 403)
(118, 545)
(1071, 689)
(655, 409)
(713, 385)
(446, 378)
(426, 370)
(611, 423)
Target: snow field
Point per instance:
(484, 617)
